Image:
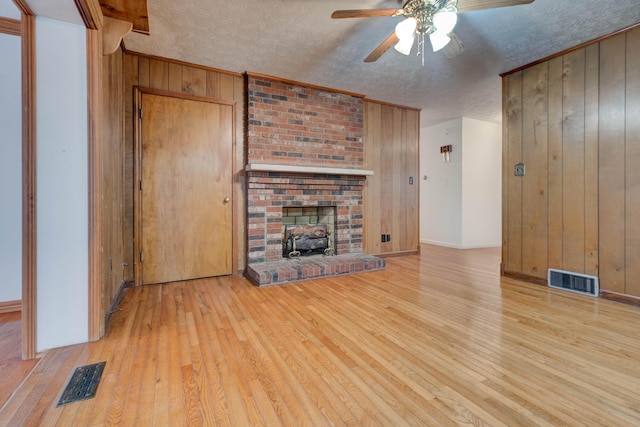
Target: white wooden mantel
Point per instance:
(269, 167)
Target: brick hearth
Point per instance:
(314, 267)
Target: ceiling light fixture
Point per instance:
(405, 30)
(432, 18)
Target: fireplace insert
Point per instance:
(303, 240)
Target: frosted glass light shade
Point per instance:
(406, 28)
(404, 45)
(439, 40)
(445, 21)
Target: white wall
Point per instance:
(62, 184)
(10, 161)
(441, 192)
(481, 184)
(8, 9)
(460, 201)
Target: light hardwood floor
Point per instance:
(13, 370)
(438, 339)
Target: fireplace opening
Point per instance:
(308, 231)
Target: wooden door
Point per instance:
(185, 189)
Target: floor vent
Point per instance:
(574, 282)
(83, 383)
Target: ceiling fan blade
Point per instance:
(471, 5)
(363, 13)
(382, 48)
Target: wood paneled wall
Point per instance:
(110, 173)
(391, 150)
(158, 73)
(391, 135)
(574, 120)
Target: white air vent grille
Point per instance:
(574, 282)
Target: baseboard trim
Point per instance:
(455, 246)
(525, 277)
(612, 296)
(398, 254)
(623, 298)
(10, 306)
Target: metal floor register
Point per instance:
(83, 383)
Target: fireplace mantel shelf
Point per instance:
(267, 167)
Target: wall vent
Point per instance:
(574, 282)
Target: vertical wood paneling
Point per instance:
(392, 138)
(144, 71)
(505, 175)
(412, 201)
(158, 74)
(371, 238)
(113, 255)
(386, 175)
(213, 84)
(398, 186)
(593, 164)
(391, 203)
(534, 183)
(406, 171)
(554, 168)
(591, 109)
(612, 164)
(227, 86)
(174, 76)
(632, 232)
(514, 185)
(194, 81)
(376, 189)
(573, 161)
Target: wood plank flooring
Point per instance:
(438, 339)
(13, 370)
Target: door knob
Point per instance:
(226, 200)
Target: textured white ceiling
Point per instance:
(298, 40)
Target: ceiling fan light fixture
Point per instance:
(433, 18)
(405, 29)
(439, 40)
(404, 45)
(444, 21)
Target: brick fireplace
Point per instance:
(269, 193)
(305, 149)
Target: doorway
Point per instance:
(184, 175)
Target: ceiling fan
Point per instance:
(434, 19)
